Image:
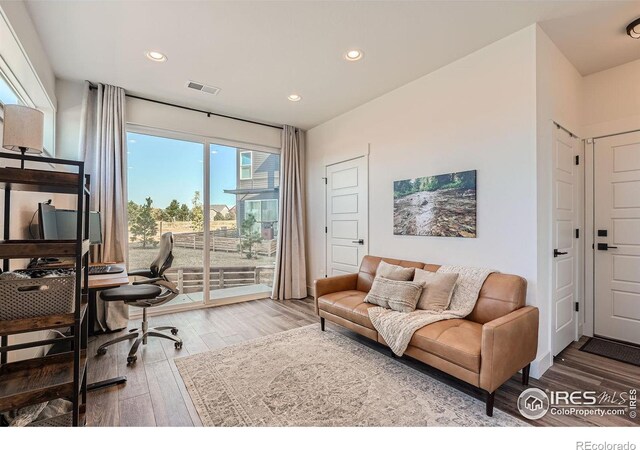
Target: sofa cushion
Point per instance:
(438, 289)
(402, 294)
(369, 266)
(393, 272)
(349, 305)
(456, 340)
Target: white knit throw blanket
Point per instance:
(397, 328)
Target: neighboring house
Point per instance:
(222, 209)
(257, 181)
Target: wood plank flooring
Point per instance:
(155, 394)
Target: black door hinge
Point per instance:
(325, 179)
(577, 306)
(577, 233)
(326, 230)
(577, 160)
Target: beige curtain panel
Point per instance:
(103, 140)
(291, 269)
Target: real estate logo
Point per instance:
(533, 403)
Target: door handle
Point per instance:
(359, 241)
(605, 246)
(556, 253)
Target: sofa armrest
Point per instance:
(324, 286)
(509, 343)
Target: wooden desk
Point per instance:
(100, 283)
(109, 280)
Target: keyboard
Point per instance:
(103, 270)
(60, 272)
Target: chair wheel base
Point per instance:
(101, 351)
(178, 345)
(131, 360)
(174, 331)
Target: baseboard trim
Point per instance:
(541, 365)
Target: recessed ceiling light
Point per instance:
(633, 29)
(156, 56)
(354, 55)
(294, 98)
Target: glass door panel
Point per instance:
(244, 221)
(165, 186)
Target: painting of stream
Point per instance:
(439, 205)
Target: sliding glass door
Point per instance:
(244, 221)
(165, 188)
(221, 204)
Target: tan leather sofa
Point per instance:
(499, 338)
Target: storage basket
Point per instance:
(64, 420)
(34, 297)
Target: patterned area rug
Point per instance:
(305, 377)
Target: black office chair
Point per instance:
(155, 290)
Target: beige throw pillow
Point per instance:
(398, 295)
(438, 289)
(393, 272)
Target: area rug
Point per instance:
(306, 377)
(614, 350)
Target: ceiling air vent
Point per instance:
(203, 87)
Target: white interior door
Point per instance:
(347, 215)
(617, 237)
(566, 237)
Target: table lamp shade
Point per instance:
(23, 129)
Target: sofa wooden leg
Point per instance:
(322, 323)
(490, 398)
(525, 375)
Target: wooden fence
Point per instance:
(220, 244)
(190, 279)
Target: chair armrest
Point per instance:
(324, 286)
(140, 273)
(509, 343)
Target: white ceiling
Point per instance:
(259, 52)
(596, 40)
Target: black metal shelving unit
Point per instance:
(62, 375)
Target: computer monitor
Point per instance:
(61, 224)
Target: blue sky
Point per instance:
(7, 95)
(165, 169)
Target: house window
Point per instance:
(245, 165)
(269, 210)
(263, 210)
(7, 95)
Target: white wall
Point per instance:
(153, 115)
(612, 100)
(149, 114)
(476, 113)
(26, 66)
(69, 95)
(20, 20)
(558, 99)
